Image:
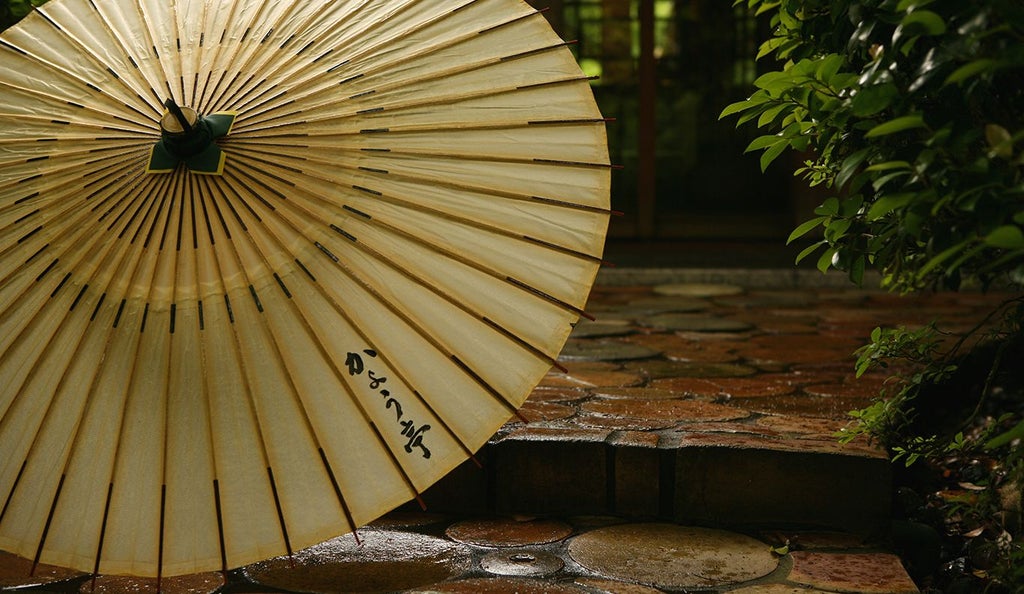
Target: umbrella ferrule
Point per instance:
(185, 143)
(186, 136)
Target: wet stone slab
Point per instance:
(385, 561)
(202, 583)
(508, 532)
(673, 410)
(864, 573)
(777, 589)
(680, 369)
(604, 350)
(677, 322)
(603, 586)
(602, 328)
(672, 557)
(522, 563)
(501, 585)
(668, 304)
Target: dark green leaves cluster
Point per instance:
(12, 11)
(912, 113)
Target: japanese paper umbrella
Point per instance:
(269, 269)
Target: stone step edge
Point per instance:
(714, 485)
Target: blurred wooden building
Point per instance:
(666, 70)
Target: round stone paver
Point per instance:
(776, 589)
(659, 370)
(672, 557)
(681, 322)
(666, 304)
(604, 350)
(588, 329)
(637, 392)
(522, 563)
(698, 290)
(508, 532)
(386, 561)
(200, 583)
(613, 587)
(501, 586)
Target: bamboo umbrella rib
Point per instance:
(294, 394)
(313, 84)
(252, 406)
(451, 255)
(81, 246)
(244, 377)
(106, 124)
(439, 100)
(345, 381)
(216, 59)
(452, 300)
(290, 151)
(418, 181)
(246, 63)
(266, 63)
(341, 310)
(413, 205)
(411, 323)
(96, 60)
(239, 61)
(454, 256)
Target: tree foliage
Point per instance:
(12, 11)
(912, 114)
(913, 111)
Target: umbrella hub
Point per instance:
(188, 137)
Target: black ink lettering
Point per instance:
(354, 363)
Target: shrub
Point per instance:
(912, 112)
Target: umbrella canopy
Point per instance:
(270, 269)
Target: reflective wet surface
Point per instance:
(689, 446)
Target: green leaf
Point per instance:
(887, 165)
(887, 204)
(999, 141)
(761, 142)
(850, 166)
(772, 152)
(830, 207)
(769, 79)
(769, 115)
(870, 100)
(769, 46)
(942, 257)
(899, 124)
(736, 108)
(825, 261)
(925, 21)
(835, 230)
(1002, 439)
(807, 251)
(857, 270)
(1007, 237)
(805, 228)
(906, 5)
(828, 67)
(970, 70)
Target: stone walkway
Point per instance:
(689, 446)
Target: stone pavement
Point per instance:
(689, 446)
